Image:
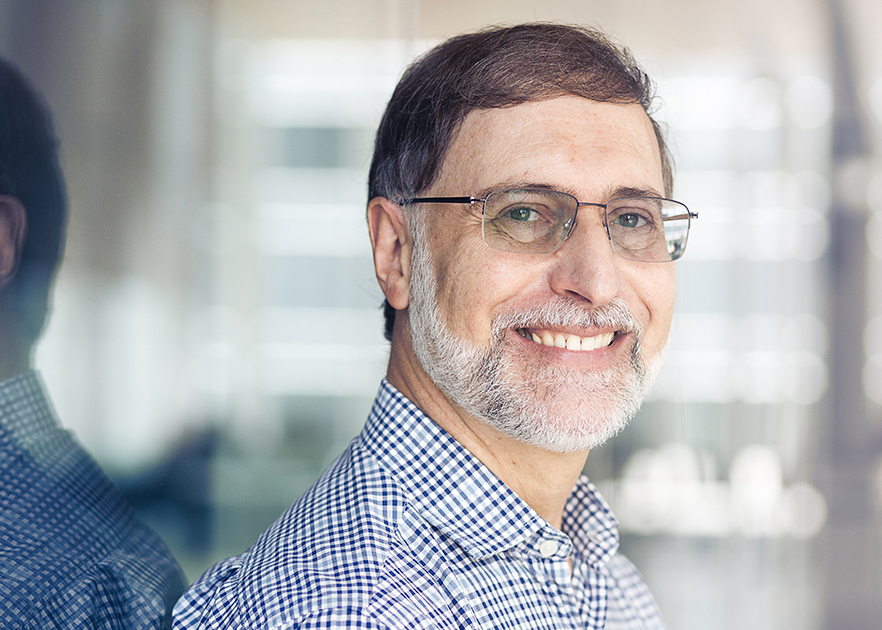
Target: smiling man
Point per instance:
(524, 240)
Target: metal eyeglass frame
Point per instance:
(689, 215)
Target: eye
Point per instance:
(630, 220)
(522, 213)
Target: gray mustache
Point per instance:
(571, 312)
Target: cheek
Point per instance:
(657, 298)
(474, 282)
(458, 267)
(466, 290)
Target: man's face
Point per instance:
(476, 313)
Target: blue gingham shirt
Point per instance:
(72, 554)
(407, 529)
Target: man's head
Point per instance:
(545, 107)
(494, 68)
(33, 209)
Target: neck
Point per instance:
(545, 480)
(12, 368)
(15, 352)
(542, 478)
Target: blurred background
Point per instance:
(216, 334)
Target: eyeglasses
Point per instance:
(538, 221)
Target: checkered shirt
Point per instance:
(72, 554)
(407, 529)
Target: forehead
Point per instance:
(571, 143)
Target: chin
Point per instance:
(567, 414)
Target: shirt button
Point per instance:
(548, 548)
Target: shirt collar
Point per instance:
(25, 410)
(590, 524)
(459, 495)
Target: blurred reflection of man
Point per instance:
(524, 244)
(72, 554)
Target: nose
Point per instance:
(586, 266)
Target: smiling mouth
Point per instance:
(570, 342)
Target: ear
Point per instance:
(13, 229)
(390, 240)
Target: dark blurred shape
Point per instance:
(849, 548)
(175, 495)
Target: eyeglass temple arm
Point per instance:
(688, 215)
(440, 200)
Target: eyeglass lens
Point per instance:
(538, 221)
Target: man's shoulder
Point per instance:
(72, 549)
(334, 553)
(388, 598)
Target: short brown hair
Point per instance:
(493, 68)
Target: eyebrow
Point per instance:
(626, 191)
(518, 186)
(612, 193)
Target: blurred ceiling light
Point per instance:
(758, 105)
(700, 102)
(759, 378)
(810, 102)
(343, 83)
(336, 230)
(673, 490)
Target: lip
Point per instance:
(570, 341)
(599, 358)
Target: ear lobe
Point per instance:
(13, 229)
(391, 243)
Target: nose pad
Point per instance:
(566, 229)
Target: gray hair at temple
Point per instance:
(30, 172)
(493, 68)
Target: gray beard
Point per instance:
(551, 407)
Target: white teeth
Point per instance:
(573, 342)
